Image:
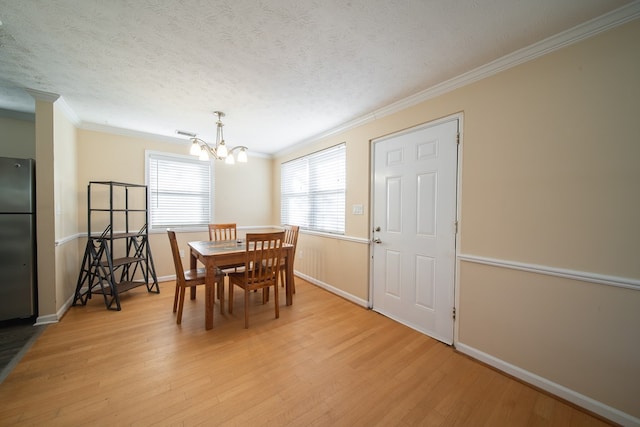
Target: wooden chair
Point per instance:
(218, 232)
(185, 279)
(261, 266)
(290, 237)
(222, 232)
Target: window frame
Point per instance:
(178, 158)
(314, 198)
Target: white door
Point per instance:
(414, 222)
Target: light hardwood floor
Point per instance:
(325, 362)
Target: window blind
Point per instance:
(312, 191)
(180, 191)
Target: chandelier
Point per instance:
(220, 151)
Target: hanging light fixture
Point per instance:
(220, 151)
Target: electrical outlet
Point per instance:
(300, 254)
(181, 253)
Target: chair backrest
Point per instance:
(222, 232)
(175, 251)
(263, 256)
(291, 237)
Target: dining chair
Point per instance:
(185, 279)
(222, 232)
(263, 256)
(290, 237)
(218, 232)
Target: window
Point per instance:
(180, 191)
(312, 191)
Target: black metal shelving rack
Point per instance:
(100, 272)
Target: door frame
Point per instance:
(456, 279)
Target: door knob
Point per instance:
(378, 241)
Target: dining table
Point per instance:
(217, 254)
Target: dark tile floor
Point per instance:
(16, 336)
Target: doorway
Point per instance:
(414, 226)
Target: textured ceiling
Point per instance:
(283, 71)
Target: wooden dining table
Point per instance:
(216, 254)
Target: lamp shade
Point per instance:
(242, 156)
(195, 148)
(221, 150)
(203, 154)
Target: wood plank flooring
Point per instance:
(16, 337)
(325, 362)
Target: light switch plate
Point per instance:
(357, 209)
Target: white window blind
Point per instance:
(312, 191)
(180, 191)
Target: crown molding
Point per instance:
(40, 95)
(566, 38)
(54, 98)
(68, 111)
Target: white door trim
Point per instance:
(456, 294)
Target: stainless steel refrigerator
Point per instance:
(17, 238)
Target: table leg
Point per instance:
(193, 264)
(210, 280)
(220, 292)
(289, 278)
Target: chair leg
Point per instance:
(246, 308)
(220, 285)
(181, 305)
(282, 281)
(230, 297)
(175, 297)
(275, 297)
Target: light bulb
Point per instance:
(195, 148)
(203, 154)
(242, 156)
(221, 151)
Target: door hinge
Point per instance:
(456, 226)
(454, 313)
(458, 138)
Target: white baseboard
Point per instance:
(565, 393)
(339, 292)
(46, 319)
(54, 318)
(166, 278)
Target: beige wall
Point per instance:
(67, 255)
(17, 138)
(577, 334)
(550, 156)
(242, 191)
(56, 212)
(45, 217)
(549, 176)
(56, 206)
